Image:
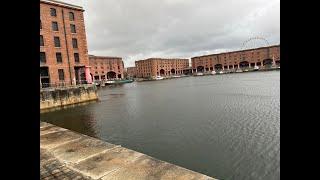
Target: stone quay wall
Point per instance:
(59, 97)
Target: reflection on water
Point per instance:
(85, 123)
(225, 126)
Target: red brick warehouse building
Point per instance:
(105, 67)
(63, 45)
(249, 58)
(153, 67)
(131, 72)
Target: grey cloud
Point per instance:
(176, 28)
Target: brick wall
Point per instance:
(131, 71)
(65, 35)
(231, 60)
(153, 67)
(103, 66)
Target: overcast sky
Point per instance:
(139, 29)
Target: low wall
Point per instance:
(64, 152)
(53, 98)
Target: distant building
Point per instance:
(63, 45)
(237, 59)
(131, 72)
(153, 67)
(105, 67)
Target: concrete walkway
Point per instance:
(69, 155)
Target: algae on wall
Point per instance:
(63, 97)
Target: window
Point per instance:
(73, 28)
(53, 12)
(76, 57)
(42, 57)
(55, 26)
(59, 57)
(40, 24)
(57, 42)
(41, 41)
(74, 43)
(61, 74)
(71, 16)
(44, 71)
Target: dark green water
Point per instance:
(225, 126)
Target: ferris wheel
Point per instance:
(254, 42)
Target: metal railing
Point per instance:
(63, 85)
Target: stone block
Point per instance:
(149, 168)
(55, 139)
(50, 129)
(81, 149)
(107, 162)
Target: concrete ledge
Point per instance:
(95, 159)
(67, 96)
